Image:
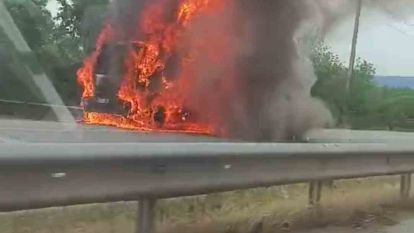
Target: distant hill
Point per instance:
(395, 81)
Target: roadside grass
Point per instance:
(266, 210)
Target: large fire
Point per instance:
(148, 87)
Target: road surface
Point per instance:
(357, 136)
(406, 226)
(21, 131)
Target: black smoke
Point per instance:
(267, 69)
(251, 73)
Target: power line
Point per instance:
(400, 31)
(397, 17)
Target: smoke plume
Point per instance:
(259, 89)
(250, 74)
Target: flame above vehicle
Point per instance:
(153, 93)
(230, 68)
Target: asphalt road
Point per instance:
(357, 136)
(406, 226)
(24, 131)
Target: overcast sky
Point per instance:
(384, 40)
(52, 5)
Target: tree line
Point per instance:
(366, 105)
(59, 42)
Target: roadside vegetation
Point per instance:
(366, 105)
(354, 204)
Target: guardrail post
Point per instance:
(315, 192)
(145, 223)
(330, 184)
(405, 186)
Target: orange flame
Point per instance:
(142, 65)
(85, 74)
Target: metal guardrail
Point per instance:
(45, 175)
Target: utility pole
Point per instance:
(354, 47)
(350, 75)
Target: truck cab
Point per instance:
(107, 76)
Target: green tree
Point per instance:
(397, 108)
(35, 24)
(364, 93)
(331, 74)
(58, 43)
(331, 83)
(81, 21)
(368, 105)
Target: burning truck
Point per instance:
(134, 83)
(218, 67)
(107, 77)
